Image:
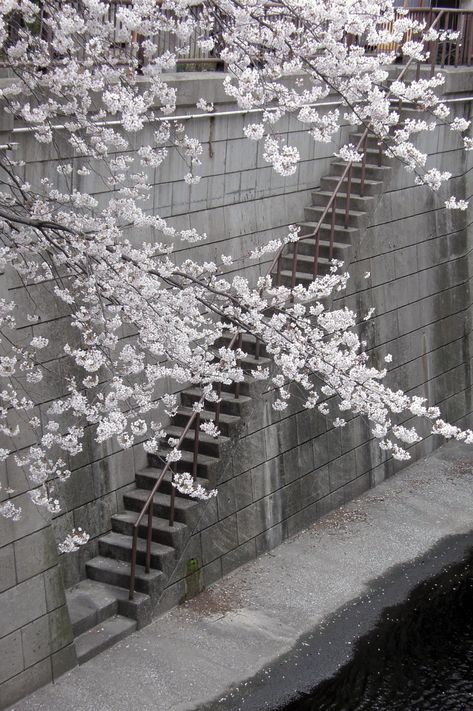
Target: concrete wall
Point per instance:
(286, 470)
(240, 202)
(289, 469)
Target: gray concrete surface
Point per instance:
(279, 624)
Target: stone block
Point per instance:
(249, 452)
(60, 629)
(322, 453)
(219, 539)
(286, 437)
(302, 519)
(22, 604)
(234, 494)
(304, 460)
(113, 472)
(262, 515)
(95, 517)
(291, 498)
(35, 553)
(357, 487)
(7, 568)
(209, 515)
(333, 501)
(271, 538)
(238, 556)
(63, 660)
(26, 682)
(32, 519)
(315, 485)
(342, 470)
(36, 641)
(11, 656)
(79, 488)
(192, 551)
(54, 588)
(212, 572)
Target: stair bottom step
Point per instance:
(102, 636)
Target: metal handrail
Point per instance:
(236, 341)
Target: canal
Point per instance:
(418, 658)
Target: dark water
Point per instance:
(419, 658)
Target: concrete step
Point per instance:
(371, 187)
(356, 218)
(228, 424)
(173, 536)
(363, 203)
(229, 403)
(341, 250)
(247, 385)
(91, 602)
(206, 464)
(102, 636)
(372, 142)
(305, 264)
(117, 572)
(248, 343)
(186, 509)
(250, 362)
(212, 446)
(303, 278)
(119, 546)
(341, 234)
(146, 479)
(372, 171)
(373, 155)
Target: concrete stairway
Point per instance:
(359, 209)
(100, 611)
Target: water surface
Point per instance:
(419, 657)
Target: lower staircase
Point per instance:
(100, 611)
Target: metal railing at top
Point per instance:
(236, 341)
(444, 53)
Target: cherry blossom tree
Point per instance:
(83, 79)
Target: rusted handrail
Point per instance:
(148, 506)
(236, 341)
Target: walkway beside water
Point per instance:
(290, 618)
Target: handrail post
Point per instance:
(196, 444)
(363, 165)
(237, 385)
(332, 229)
(316, 254)
(134, 546)
(173, 499)
(278, 270)
(149, 535)
(294, 263)
(348, 197)
(218, 405)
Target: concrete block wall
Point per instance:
(240, 203)
(289, 469)
(35, 631)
